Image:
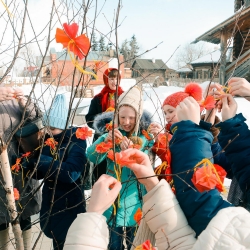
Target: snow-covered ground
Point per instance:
(153, 98)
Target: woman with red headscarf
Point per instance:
(104, 102)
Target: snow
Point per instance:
(153, 98)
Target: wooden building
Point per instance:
(235, 28)
(58, 68)
(149, 70)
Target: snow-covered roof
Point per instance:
(213, 57)
(183, 70)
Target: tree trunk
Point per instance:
(11, 205)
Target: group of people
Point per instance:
(53, 154)
(178, 215)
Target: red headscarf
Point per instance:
(104, 94)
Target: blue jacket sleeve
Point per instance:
(71, 168)
(189, 145)
(238, 150)
(221, 159)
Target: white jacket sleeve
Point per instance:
(89, 231)
(166, 219)
(229, 229)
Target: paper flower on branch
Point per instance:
(147, 135)
(76, 45)
(138, 216)
(110, 126)
(16, 167)
(103, 147)
(51, 143)
(83, 133)
(209, 176)
(208, 103)
(121, 158)
(26, 155)
(145, 246)
(16, 194)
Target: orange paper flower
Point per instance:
(208, 103)
(146, 134)
(16, 194)
(83, 133)
(138, 216)
(121, 158)
(208, 177)
(26, 154)
(78, 45)
(16, 167)
(110, 126)
(51, 143)
(145, 246)
(103, 147)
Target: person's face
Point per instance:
(127, 118)
(170, 114)
(112, 81)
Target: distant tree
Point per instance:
(94, 43)
(101, 42)
(190, 52)
(130, 50)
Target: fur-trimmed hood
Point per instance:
(104, 118)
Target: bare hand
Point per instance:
(155, 129)
(117, 135)
(142, 168)
(104, 193)
(7, 93)
(229, 107)
(188, 109)
(239, 86)
(125, 143)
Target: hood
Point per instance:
(102, 119)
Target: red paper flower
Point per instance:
(26, 154)
(78, 45)
(121, 158)
(146, 134)
(16, 167)
(138, 216)
(208, 103)
(103, 147)
(16, 194)
(51, 143)
(145, 246)
(208, 177)
(83, 133)
(110, 126)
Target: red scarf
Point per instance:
(104, 96)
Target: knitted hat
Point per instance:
(56, 116)
(132, 98)
(106, 75)
(192, 89)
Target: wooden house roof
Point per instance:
(149, 64)
(242, 18)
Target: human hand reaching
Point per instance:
(188, 109)
(104, 193)
(239, 86)
(117, 135)
(125, 143)
(229, 107)
(141, 167)
(7, 93)
(155, 128)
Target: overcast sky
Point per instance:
(172, 22)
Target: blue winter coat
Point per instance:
(238, 150)
(68, 199)
(131, 192)
(189, 145)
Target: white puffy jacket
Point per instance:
(229, 229)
